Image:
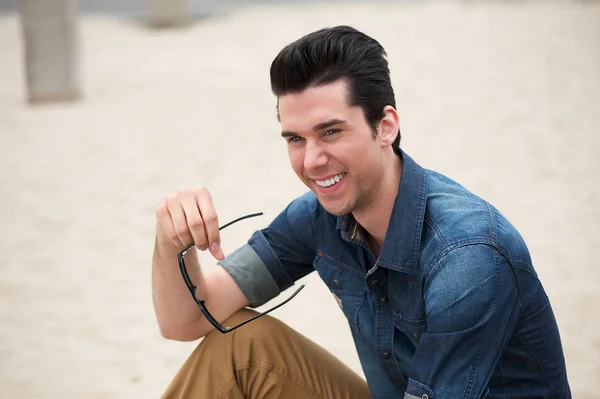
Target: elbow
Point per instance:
(180, 334)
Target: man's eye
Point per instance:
(331, 132)
(294, 139)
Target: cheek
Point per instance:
(347, 154)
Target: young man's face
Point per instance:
(331, 147)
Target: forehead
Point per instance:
(315, 105)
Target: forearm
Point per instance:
(177, 314)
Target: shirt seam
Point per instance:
(459, 244)
(483, 339)
(534, 354)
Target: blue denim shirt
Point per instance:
(452, 308)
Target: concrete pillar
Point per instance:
(50, 41)
(168, 13)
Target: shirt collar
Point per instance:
(400, 249)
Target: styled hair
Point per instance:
(331, 54)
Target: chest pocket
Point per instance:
(344, 282)
(411, 328)
(408, 311)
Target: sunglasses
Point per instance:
(192, 288)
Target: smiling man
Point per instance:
(438, 287)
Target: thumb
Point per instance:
(216, 251)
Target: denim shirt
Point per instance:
(452, 308)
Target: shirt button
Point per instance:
(384, 299)
(336, 284)
(424, 396)
(375, 283)
(386, 355)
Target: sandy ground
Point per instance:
(504, 98)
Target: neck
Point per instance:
(375, 219)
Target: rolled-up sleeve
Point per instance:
(275, 257)
(251, 275)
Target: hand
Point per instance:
(188, 216)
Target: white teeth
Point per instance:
(330, 182)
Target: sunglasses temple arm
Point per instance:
(270, 310)
(200, 303)
(186, 276)
(252, 215)
(210, 318)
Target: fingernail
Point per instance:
(215, 247)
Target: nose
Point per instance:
(314, 156)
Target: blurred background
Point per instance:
(108, 106)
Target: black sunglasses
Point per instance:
(203, 309)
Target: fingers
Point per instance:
(211, 224)
(194, 222)
(165, 220)
(189, 216)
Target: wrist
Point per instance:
(164, 244)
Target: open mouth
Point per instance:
(330, 182)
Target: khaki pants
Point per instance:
(263, 359)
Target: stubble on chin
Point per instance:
(335, 209)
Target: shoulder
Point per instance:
(306, 203)
(456, 214)
(304, 211)
(303, 219)
(458, 217)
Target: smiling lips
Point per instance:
(330, 182)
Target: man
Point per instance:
(438, 287)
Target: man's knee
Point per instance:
(264, 339)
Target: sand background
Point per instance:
(503, 97)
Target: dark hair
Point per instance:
(330, 54)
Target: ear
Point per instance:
(388, 126)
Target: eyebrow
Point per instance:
(316, 128)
